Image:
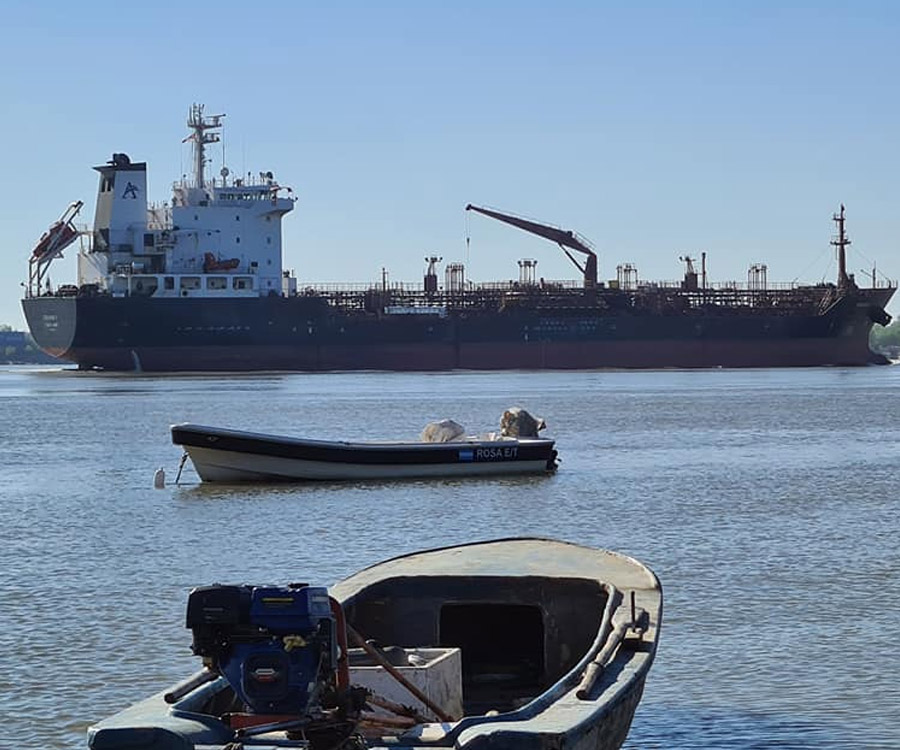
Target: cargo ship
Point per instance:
(198, 284)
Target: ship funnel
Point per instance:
(431, 279)
(121, 213)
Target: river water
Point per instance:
(765, 500)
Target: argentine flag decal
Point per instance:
(467, 454)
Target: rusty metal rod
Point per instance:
(395, 722)
(388, 705)
(395, 673)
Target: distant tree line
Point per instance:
(887, 339)
(18, 348)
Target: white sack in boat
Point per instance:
(444, 431)
(516, 422)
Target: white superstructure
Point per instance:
(217, 237)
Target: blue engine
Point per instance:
(276, 646)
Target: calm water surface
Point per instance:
(766, 501)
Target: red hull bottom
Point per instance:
(490, 356)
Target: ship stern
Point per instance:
(52, 323)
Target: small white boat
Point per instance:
(225, 455)
(500, 645)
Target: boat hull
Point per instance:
(303, 334)
(602, 724)
(221, 455)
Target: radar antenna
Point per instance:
(841, 242)
(199, 126)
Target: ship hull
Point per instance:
(304, 334)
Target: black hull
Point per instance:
(304, 334)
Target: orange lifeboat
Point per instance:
(59, 236)
(212, 263)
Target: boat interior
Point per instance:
(517, 636)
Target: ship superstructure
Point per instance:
(217, 238)
(198, 284)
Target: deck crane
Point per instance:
(565, 238)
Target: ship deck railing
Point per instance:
(471, 287)
(658, 298)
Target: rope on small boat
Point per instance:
(184, 458)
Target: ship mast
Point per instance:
(841, 242)
(199, 125)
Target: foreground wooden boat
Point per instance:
(515, 643)
(223, 455)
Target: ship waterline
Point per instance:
(273, 334)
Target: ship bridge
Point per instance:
(218, 236)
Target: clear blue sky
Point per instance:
(655, 129)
